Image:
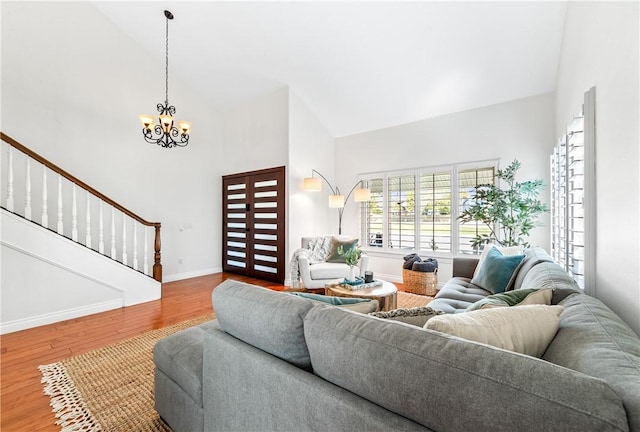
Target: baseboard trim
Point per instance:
(53, 317)
(188, 275)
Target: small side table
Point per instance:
(386, 294)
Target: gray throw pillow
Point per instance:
(417, 316)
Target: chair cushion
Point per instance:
(330, 271)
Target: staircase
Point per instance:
(67, 250)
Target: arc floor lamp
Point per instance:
(336, 199)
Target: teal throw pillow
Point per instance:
(334, 256)
(497, 271)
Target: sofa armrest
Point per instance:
(464, 266)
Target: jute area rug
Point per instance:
(111, 388)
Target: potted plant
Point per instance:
(509, 213)
(351, 257)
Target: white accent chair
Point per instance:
(316, 276)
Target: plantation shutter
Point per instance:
(573, 196)
(373, 214)
(435, 211)
(401, 212)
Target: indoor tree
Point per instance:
(509, 213)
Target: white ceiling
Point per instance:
(358, 66)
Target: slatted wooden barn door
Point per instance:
(253, 224)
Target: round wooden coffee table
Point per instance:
(386, 294)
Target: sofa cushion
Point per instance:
(457, 295)
(548, 275)
(497, 272)
(330, 271)
(594, 340)
(519, 297)
(334, 256)
(525, 329)
(532, 257)
(179, 357)
(442, 382)
(254, 315)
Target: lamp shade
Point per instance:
(361, 195)
(184, 126)
(312, 184)
(336, 201)
(166, 122)
(146, 120)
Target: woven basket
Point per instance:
(424, 283)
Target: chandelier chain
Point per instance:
(166, 65)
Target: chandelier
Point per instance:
(165, 134)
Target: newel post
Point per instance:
(157, 266)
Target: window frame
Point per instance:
(453, 170)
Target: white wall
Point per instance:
(522, 129)
(46, 278)
(256, 134)
(600, 48)
(310, 147)
(72, 88)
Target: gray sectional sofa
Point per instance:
(273, 361)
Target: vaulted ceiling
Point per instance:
(358, 66)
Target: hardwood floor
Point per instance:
(24, 406)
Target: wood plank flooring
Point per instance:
(24, 407)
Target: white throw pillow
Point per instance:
(506, 251)
(523, 329)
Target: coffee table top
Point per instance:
(387, 288)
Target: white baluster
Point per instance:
(146, 253)
(74, 215)
(10, 182)
(124, 239)
(45, 196)
(27, 192)
(101, 229)
(60, 223)
(113, 234)
(87, 240)
(135, 245)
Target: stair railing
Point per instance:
(67, 203)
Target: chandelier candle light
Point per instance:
(336, 199)
(165, 134)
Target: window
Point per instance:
(435, 211)
(467, 180)
(418, 209)
(572, 193)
